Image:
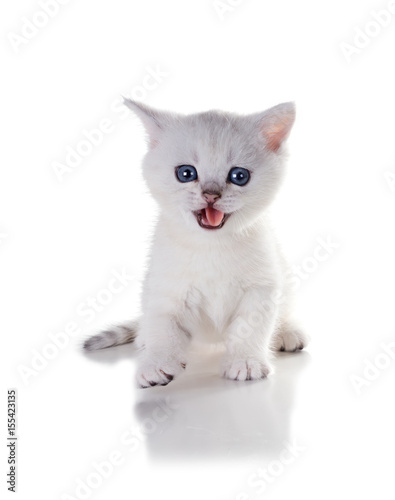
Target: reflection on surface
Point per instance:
(203, 415)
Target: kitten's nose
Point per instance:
(211, 196)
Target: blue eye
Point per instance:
(239, 176)
(186, 173)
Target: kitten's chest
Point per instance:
(216, 285)
(206, 284)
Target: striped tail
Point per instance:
(115, 335)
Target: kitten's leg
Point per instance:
(249, 335)
(288, 336)
(165, 350)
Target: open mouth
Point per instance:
(211, 218)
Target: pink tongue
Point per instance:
(214, 216)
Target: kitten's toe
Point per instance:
(151, 373)
(245, 369)
(289, 339)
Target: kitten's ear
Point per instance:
(275, 124)
(154, 121)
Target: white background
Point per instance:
(62, 240)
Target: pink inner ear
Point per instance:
(277, 131)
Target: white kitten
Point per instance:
(215, 269)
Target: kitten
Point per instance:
(216, 272)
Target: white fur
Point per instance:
(226, 284)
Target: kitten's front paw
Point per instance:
(152, 373)
(246, 369)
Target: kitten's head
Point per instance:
(214, 172)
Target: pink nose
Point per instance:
(211, 197)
